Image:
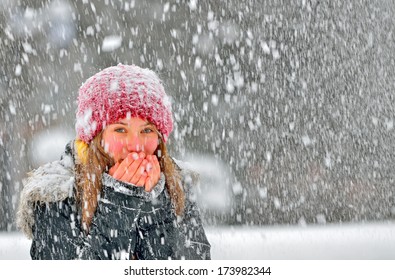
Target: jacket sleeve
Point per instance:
(162, 235)
(56, 235)
(195, 244)
(112, 234)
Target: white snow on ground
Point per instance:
(347, 241)
(14, 246)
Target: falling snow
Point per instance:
(111, 43)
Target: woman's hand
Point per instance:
(137, 169)
(153, 172)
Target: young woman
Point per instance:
(115, 193)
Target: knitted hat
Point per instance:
(120, 91)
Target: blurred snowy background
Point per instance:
(285, 107)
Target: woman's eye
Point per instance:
(147, 130)
(120, 130)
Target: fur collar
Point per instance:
(49, 183)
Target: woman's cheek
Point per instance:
(115, 149)
(150, 146)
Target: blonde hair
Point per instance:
(92, 161)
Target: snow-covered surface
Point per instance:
(347, 241)
(14, 246)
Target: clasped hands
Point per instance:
(138, 169)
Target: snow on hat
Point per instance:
(120, 91)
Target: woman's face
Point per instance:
(130, 135)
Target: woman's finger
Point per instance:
(153, 173)
(141, 182)
(113, 169)
(148, 186)
(156, 168)
(123, 166)
(128, 166)
(133, 172)
(136, 172)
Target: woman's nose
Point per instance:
(134, 144)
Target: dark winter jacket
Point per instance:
(129, 223)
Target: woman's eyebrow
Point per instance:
(121, 123)
(126, 124)
(146, 124)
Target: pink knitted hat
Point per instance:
(120, 91)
